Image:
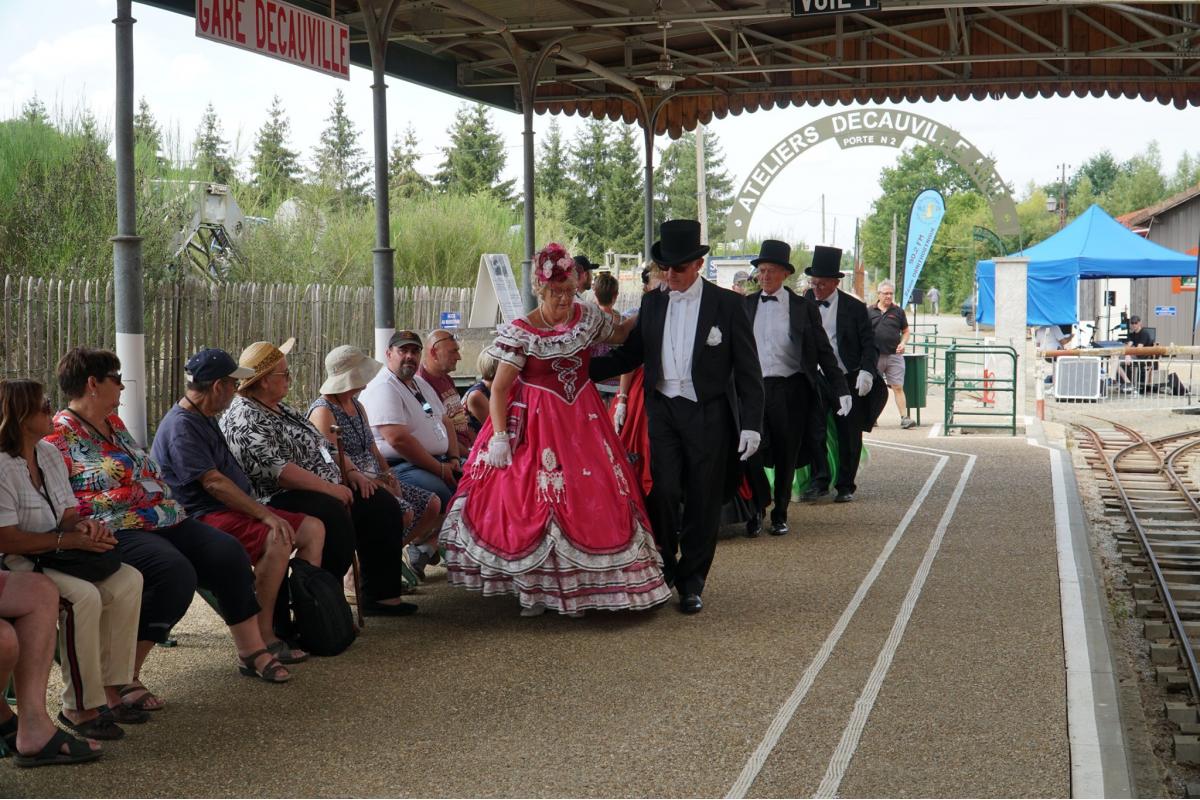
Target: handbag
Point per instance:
(323, 623)
(83, 564)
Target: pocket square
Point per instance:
(714, 337)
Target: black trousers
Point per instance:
(689, 448)
(793, 433)
(374, 525)
(850, 433)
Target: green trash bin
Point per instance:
(916, 381)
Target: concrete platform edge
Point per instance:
(1100, 759)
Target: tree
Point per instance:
(1101, 170)
(621, 196)
(1139, 184)
(146, 133)
(474, 159)
(589, 165)
(34, 110)
(403, 178)
(274, 167)
(211, 151)
(675, 183)
(1187, 173)
(551, 176)
(340, 166)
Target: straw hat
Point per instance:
(348, 369)
(262, 358)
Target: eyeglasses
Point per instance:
(287, 374)
(114, 376)
(46, 408)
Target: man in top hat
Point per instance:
(848, 326)
(695, 340)
(585, 269)
(792, 345)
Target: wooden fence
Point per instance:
(44, 318)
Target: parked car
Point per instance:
(968, 310)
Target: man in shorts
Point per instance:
(891, 334)
(208, 481)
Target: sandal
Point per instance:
(274, 672)
(51, 754)
(8, 736)
(125, 714)
(101, 728)
(285, 653)
(143, 702)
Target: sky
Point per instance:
(64, 52)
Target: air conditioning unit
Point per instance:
(1077, 378)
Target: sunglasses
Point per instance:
(436, 342)
(114, 376)
(679, 267)
(45, 407)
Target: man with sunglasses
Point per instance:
(695, 341)
(442, 354)
(413, 430)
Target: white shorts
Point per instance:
(891, 367)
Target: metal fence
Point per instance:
(1121, 378)
(42, 318)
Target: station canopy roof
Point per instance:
(607, 58)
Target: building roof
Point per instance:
(732, 56)
(1143, 216)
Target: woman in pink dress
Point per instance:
(548, 508)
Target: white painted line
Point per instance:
(852, 734)
(784, 716)
(935, 430)
(1083, 730)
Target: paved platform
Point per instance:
(910, 643)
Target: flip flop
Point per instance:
(51, 754)
(8, 736)
(141, 703)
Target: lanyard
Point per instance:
(44, 491)
(115, 441)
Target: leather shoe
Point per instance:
(812, 494)
(691, 604)
(373, 609)
(844, 497)
(753, 526)
(779, 528)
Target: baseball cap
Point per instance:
(212, 364)
(1134, 320)
(402, 338)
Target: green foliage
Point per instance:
(341, 167)
(621, 201)
(404, 181)
(1187, 173)
(475, 157)
(551, 178)
(34, 111)
(146, 133)
(1139, 184)
(211, 151)
(675, 183)
(274, 167)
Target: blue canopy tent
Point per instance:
(1094, 245)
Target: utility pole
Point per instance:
(833, 241)
(823, 239)
(1062, 196)
(892, 275)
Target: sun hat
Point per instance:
(261, 357)
(348, 368)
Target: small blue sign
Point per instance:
(450, 320)
(1164, 311)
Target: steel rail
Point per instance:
(1164, 591)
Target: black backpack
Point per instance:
(323, 623)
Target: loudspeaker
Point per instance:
(1110, 298)
(918, 297)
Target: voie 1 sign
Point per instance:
(279, 30)
(807, 8)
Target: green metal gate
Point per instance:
(983, 388)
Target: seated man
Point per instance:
(412, 429)
(442, 355)
(206, 478)
(1134, 374)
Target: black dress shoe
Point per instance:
(753, 526)
(812, 494)
(372, 609)
(844, 497)
(779, 528)
(691, 604)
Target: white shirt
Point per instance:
(829, 323)
(390, 402)
(776, 353)
(679, 338)
(24, 506)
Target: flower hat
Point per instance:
(553, 264)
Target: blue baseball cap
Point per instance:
(213, 364)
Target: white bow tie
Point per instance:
(679, 297)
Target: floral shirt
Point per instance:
(264, 442)
(116, 482)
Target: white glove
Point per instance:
(498, 453)
(619, 415)
(845, 402)
(864, 383)
(748, 444)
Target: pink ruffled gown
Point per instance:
(564, 525)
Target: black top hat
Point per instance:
(583, 263)
(678, 242)
(825, 263)
(774, 251)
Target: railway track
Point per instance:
(1149, 483)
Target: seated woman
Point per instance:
(348, 369)
(117, 483)
(479, 395)
(39, 516)
(28, 614)
(290, 466)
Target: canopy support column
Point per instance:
(378, 22)
(648, 232)
(127, 245)
(528, 87)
